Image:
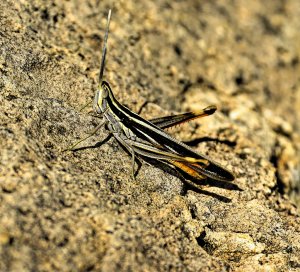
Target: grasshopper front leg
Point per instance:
(72, 146)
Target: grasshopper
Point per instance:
(147, 138)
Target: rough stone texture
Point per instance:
(82, 211)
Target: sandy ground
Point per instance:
(82, 211)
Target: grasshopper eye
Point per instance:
(103, 92)
(104, 89)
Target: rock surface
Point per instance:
(82, 211)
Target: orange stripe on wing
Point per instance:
(188, 170)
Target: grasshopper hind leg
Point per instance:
(132, 164)
(131, 151)
(133, 158)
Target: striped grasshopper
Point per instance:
(147, 138)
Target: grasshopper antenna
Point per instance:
(104, 48)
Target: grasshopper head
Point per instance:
(100, 103)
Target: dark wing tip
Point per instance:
(221, 173)
(210, 109)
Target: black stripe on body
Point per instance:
(141, 126)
